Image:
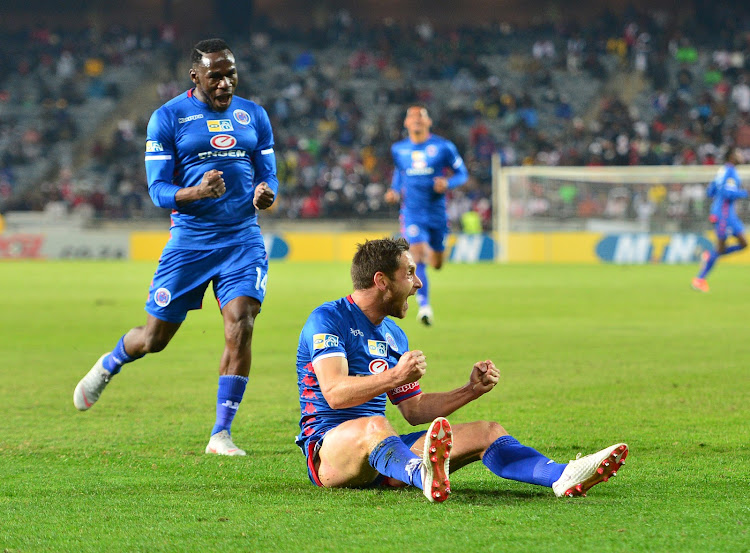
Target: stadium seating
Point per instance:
(626, 91)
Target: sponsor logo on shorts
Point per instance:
(241, 116)
(162, 297)
(153, 146)
(182, 120)
(223, 141)
(219, 125)
(377, 348)
(391, 342)
(377, 366)
(322, 341)
(412, 230)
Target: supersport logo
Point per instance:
(223, 141)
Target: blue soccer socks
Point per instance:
(423, 294)
(508, 458)
(228, 398)
(708, 264)
(114, 361)
(733, 248)
(709, 261)
(392, 457)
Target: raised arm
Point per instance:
(341, 390)
(425, 407)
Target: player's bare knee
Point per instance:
(377, 425)
(492, 430)
(376, 430)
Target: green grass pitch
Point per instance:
(589, 356)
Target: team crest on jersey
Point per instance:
(241, 116)
(162, 297)
(431, 150)
(377, 348)
(391, 342)
(153, 146)
(219, 125)
(223, 141)
(322, 341)
(377, 366)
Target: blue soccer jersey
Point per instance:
(340, 329)
(416, 166)
(185, 138)
(725, 189)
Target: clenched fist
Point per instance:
(411, 367)
(263, 196)
(484, 376)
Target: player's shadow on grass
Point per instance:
(479, 496)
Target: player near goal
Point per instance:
(209, 158)
(725, 189)
(419, 183)
(352, 356)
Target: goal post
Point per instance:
(640, 200)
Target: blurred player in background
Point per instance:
(209, 158)
(420, 183)
(724, 189)
(351, 356)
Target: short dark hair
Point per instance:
(208, 46)
(382, 255)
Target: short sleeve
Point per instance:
(322, 334)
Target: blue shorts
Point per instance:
(313, 444)
(434, 234)
(726, 226)
(182, 276)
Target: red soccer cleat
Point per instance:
(436, 459)
(700, 284)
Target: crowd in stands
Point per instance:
(336, 95)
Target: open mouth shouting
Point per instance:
(222, 101)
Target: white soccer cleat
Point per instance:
(585, 472)
(436, 459)
(92, 385)
(221, 444)
(424, 315)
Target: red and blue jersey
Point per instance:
(340, 329)
(185, 138)
(416, 166)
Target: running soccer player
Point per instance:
(209, 158)
(420, 183)
(724, 189)
(351, 356)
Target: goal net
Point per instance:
(633, 200)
